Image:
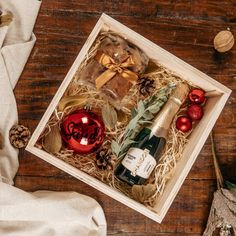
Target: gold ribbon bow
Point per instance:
(113, 68)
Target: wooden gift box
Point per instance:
(197, 139)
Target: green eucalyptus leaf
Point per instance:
(127, 142)
(148, 116)
(141, 107)
(125, 146)
(133, 112)
(155, 108)
(132, 124)
(121, 155)
(115, 147)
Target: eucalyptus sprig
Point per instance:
(142, 115)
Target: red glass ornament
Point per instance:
(83, 131)
(197, 96)
(195, 112)
(184, 124)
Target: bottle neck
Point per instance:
(161, 124)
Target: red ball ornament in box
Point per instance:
(83, 131)
(184, 124)
(197, 96)
(195, 112)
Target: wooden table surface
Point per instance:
(186, 29)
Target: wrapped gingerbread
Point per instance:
(116, 66)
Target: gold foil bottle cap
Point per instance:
(161, 124)
(180, 93)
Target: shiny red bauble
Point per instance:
(83, 131)
(184, 124)
(195, 112)
(197, 96)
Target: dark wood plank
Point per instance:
(186, 29)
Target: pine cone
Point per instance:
(104, 159)
(145, 85)
(19, 136)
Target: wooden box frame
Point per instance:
(213, 109)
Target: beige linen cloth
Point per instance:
(41, 213)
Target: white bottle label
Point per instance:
(139, 162)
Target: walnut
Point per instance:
(224, 41)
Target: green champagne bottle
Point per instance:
(142, 157)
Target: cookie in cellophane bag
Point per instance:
(115, 67)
